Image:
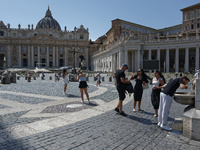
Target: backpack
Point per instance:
(129, 88)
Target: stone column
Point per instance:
(54, 53)
(117, 55)
(29, 56)
(20, 57)
(66, 60)
(139, 59)
(121, 58)
(47, 62)
(177, 60)
(32, 56)
(133, 61)
(167, 60)
(111, 60)
(8, 57)
(187, 59)
(38, 54)
(86, 61)
(114, 61)
(57, 56)
(158, 57)
(149, 56)
(197, 59)
(126, 57)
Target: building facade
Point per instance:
(46, 44)
(176, 47)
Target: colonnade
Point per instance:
(51, 57)
(134, 59)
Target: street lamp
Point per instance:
(74, 50)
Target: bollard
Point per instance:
(18, 77)
(87, 79)
(34, 78)
(26, 77)
(110, 79)
(42, 78)
(50, 78)
(103, 79)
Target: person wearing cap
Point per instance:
(166, 98)
(120, 78)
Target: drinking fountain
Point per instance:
(191, 114)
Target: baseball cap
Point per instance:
(125, 65)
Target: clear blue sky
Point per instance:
(94, 14)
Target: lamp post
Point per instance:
(74, 50)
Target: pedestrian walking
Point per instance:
(120, 78)
(83, 85)
(166, 97)
(58, 76)
(158, 83)
(29, 77)
(140, 79)
(98, 79)
(65, 81)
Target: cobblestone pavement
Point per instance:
(44, 87)
(102, 128)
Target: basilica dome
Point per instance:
(48, 22)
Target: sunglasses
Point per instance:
(139, 71)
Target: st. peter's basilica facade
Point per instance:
(46, 44)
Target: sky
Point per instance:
(96, 15)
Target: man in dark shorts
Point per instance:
(120, 78)
(166, 97)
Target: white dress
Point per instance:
(66, 80)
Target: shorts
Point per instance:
(83, 84)
(121, 92)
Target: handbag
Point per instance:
(145, 86)
(129, 88)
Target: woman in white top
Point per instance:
(158, 83)
(65, 81)
(98, 79)
(83, 85)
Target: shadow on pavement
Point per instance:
(73, 96)
(141, 120)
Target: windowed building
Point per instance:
(176, 48)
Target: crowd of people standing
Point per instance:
(161, 95)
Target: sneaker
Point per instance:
(134, 110)
(83, 102)
(64, 93)
(159, 124)
(116, 109)
(140, 110)
(123, 114)
(166, 127)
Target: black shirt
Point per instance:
(120, 73)
(172, 86)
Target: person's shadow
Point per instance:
(141, 120)
(154, 120)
